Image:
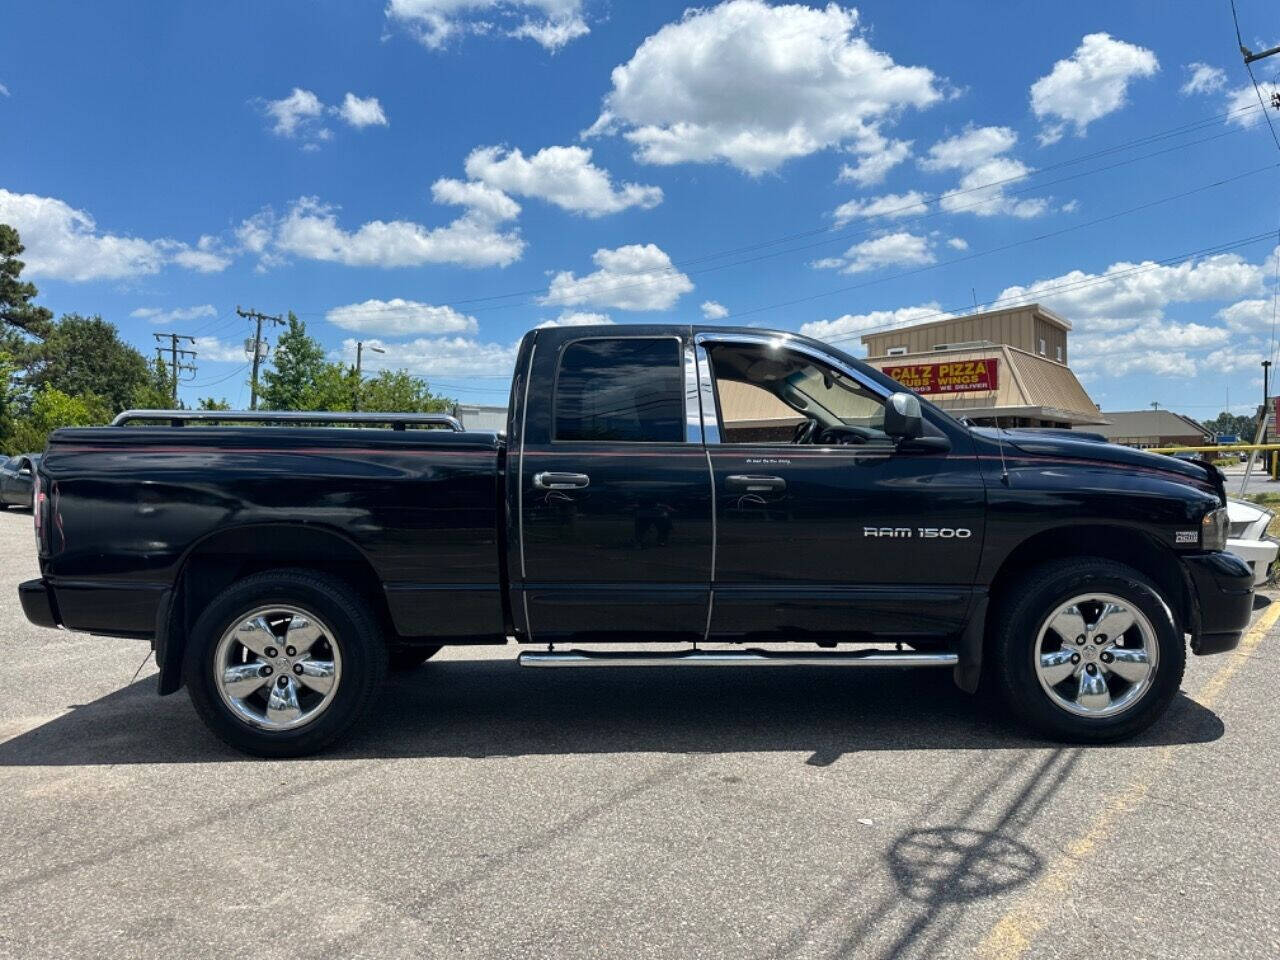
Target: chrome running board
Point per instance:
(735, 658)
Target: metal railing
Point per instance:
(180, 418)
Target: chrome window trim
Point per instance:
(707, 398)
(711, 425)
(524, 435)
(693, 428)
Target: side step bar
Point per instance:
(735, 658)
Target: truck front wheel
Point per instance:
(1085, 650)
(282, 663)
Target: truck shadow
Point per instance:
(492, 708)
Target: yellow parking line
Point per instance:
(1011, 936)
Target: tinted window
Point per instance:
(623, 390)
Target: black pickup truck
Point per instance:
(655, 484)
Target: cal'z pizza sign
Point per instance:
(954, 376)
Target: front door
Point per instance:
(826, 529)
(615, 493)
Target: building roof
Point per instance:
(1026, 386)
(1151, 423)
(1035, 308)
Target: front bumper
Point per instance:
(37, 603)
(1223, 585)
(1258, 554)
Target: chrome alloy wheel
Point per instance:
(277, 668)
(1096, 655)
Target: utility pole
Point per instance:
(257, 350)
(355, 405)
(1251, 57)
(176, 366)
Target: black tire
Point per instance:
(402, 659)
(1013, 647)
(363, 659)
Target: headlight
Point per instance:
(1213, 530)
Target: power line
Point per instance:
(1071, 286)
(209, 383)
(1003, 247)
(176, 365)
(258, 344)
(1248, 65)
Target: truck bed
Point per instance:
(419, 509)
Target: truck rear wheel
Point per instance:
(282, 663)
(1085, 650)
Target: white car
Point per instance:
(1247, 537)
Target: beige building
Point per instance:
(1155, 428)
(1006, 365)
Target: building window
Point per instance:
(1059, 354)
(896, 352)
(1043, 353)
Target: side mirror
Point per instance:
(902, 417)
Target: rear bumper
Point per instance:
(1223, 585)
(37, 603)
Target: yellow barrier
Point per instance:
(1226, 448)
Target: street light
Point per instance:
(355, 404)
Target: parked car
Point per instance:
(654, 484)
(1248, 539)
(15, 480)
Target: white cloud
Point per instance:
(213, 350)
(552, 23)
(1162, 363)
(398, 318)
(579, 318)
(875, 162)
(986, 173)
(1242, 103)
(755, 85)
(1245, 315)
(890, 205)
(970, 149)
(64, 243)
(209, 255)
(1203, 79)
(4, 91)
(1142, 290)
(175, 315)
(891, 249)
(432, 357)
(854, 324)
(564, 176)
(634, 277)
(310, 230)
(359, 113)
(297, 115)
(714, 310)
(1089, 84)
(1234, 359)
(958, 243)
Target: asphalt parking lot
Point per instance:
(486, 811)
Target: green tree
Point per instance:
(157, 392)
(332, 389)
(296, 365)
(208, 403)
(1233, 424)
(22, 319)
(85, 356)
(399, 391)
(51, 409)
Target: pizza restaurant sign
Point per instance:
(954, 376)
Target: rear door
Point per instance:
(614, 499)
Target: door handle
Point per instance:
(560, 481)
(742, 483)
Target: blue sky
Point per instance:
(439, 176)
